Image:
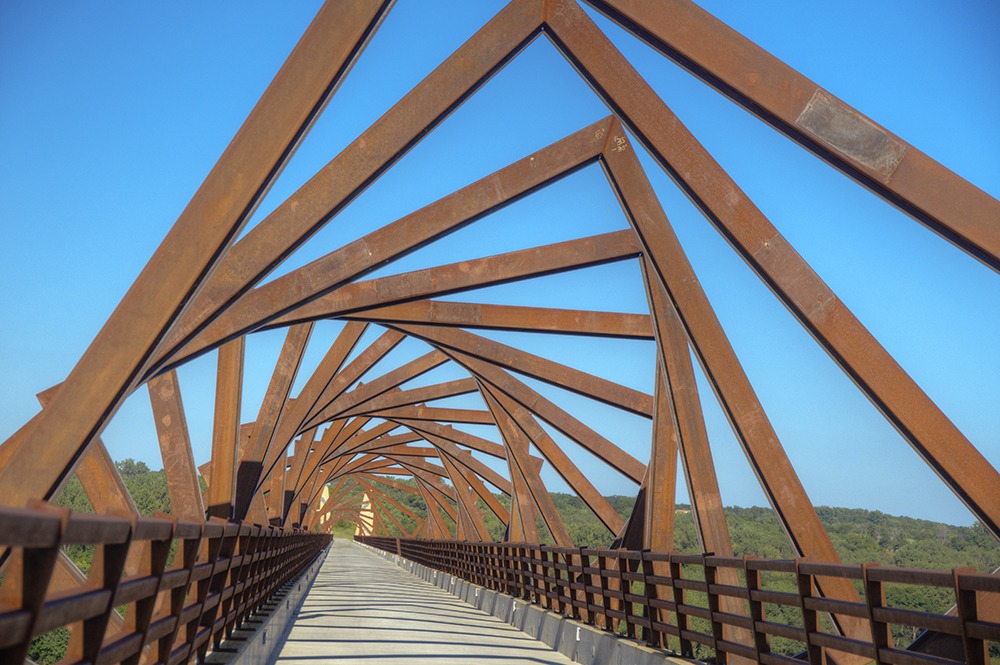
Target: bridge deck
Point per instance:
(367, 610)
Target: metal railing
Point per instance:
(679, 601)
(135, 600)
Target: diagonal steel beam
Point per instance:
(935, 438)
(816, 120)
(510, 317)
(537, 367)
(367, 157)
(110, 368)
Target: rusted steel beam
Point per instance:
(435, 526)
(561, 463)
(346, 377)
(429, 479)
(110, 367)
(667, 260)
(816, 120)
(677, 379)
(392, 379)
(681, 398)
(527, 483)
(261, 305)
(471, 441)
(590, 440)
(101, 480)
(350, 444)
(226, 430)
(325, 453)
(275, 484)
(367, 157)
(660, 484)
(378, 500)
(398, 398)
(465, 275)
(312, 460)
(471, 525)
(935, 438)
(253, 466)
(476, 476)
(438, 414)
(388, 482)
(306, 401)
(466, 459)
(440, 280)
(374, 491)
(175, 447)
(384, 442)
(551, 372)
(510, 317)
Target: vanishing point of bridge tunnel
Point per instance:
(488, 350)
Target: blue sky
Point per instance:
(111, 115)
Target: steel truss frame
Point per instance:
(329, 452)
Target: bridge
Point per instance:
(343, 438)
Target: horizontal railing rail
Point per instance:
(679, 601)
(169, 588)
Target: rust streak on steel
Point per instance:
(108, 370)
(815, 119)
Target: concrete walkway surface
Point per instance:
(365, 610)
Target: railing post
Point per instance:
(709, 569)
(602, 573)
(753, 582)
(676, 573)
(875, 598)
(587, 580)
(810, 618)
(976, 650)
(652, 614)
(37, 565)
(625, 580)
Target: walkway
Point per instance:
(365, 610)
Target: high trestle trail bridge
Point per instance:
(466, 426)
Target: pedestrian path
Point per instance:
(365, 610)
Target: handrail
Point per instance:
(220, 575)
(672, 601)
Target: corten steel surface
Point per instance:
(365, 429)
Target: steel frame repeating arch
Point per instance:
(331, 451)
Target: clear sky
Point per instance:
(112, 114)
